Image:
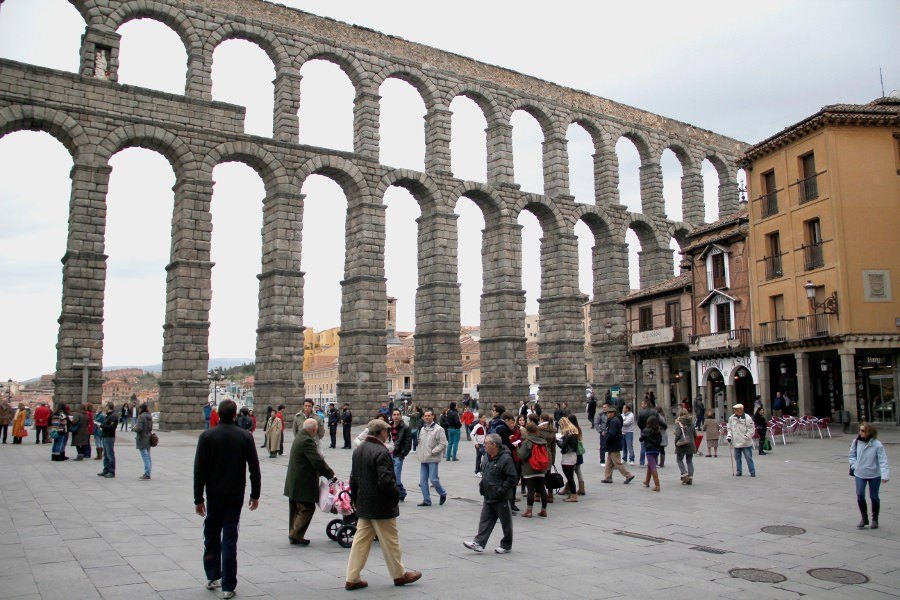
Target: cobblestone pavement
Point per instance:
(66, 533)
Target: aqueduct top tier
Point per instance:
(95, 117)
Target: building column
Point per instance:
(606, 177)
(728, 197)
(693, 210)
(499, 154)
(362, 372)
(652, 202)
(611, 363)
(286, 123)
(84, 282)
(804, 389)
(183, 385)
(198, 81)
(764, 384)
(556, 164)
(100, 54)
(655, 265)
(504, 366)
(366, 117)
(438, 123)
(279, 336)
(561, 341)
(438, 365)
(730, 401)
(849, 383)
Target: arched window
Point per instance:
(326, 106)
(468, 140)
(151, 55)
(402, 126)
(242, 74)
(528, 155)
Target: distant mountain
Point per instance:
(214, 363)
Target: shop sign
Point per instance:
(879, 361)
(861, 400)
(726, 366)
(708, 342)
(653, 336)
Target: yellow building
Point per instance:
(824, 223)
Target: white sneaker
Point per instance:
(631, 463)
(603, 464)
(214, 584)
(473, 546)
(499, 550)
(227, 595)
(478, 475)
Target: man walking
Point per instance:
(614, 447)
(432, 442)
(402, 445)
(374, 492)
(454, 424)
(699, 412)
(497, 485)
(740, 437)
(224, 454)
(301, 485)
(108, 441)
(346, 423)
(479, 432)
(309, 413)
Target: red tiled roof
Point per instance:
(669, 285)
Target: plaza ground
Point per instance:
(66, 533)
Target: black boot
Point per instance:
(876, 508)
(863, 510)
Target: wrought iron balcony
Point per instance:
(774, 332)
(769, 204)
(736, 338)
(809, 188)
(773, 266)
(816, 325)
(813, 258)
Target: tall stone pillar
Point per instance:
(286, 123)
(366, 117)
(504, 367)
(198, 82)
(183, 385)
(84, 282)
(804, 387)
(100, 54)
(609, 351)
(561, 342)
(693, 210)
(438, 353)
(279, 336)
(499, 153)
(652, 202)
(556, 165)
(849, 383)
(437, 140)
(606, 177)
(728, 196)
(655, 265)
(362, 380)
(764, 383)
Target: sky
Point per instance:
(745, 71)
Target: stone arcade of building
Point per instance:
(95, 117)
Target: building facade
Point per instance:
(824, 251)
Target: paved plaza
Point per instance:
(66, 533)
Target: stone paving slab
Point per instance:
(65, 533)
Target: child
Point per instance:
(651, 436)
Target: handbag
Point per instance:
(580, 450)
(54, 434)
(682, 441)
(154, 440)
(326, 496)
(554, 480)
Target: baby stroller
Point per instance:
(343, 529)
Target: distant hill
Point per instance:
(214, 363)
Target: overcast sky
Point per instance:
(743, 70)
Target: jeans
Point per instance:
(109, 455)
(874, 486)
(643, 454)
(220, 536)
(145, 455)
(680, 457)
(479, 456)
(602, 448)
(398, 472)
(452, 443)
(429, 472)
(59, 445)
(490, 513)
(748, 454)
(415, 438)
(628, 447)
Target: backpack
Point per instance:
(539, 459)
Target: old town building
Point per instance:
(824, 253)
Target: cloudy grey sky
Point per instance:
(745, 71)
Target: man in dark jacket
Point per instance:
(334, 419)
(373, 489)
(646, 412)
(301, 485)
(497, 485)
(346, 424)
(454, 424)
(614, 447)
(402, 439)
(224, 454)
(108, 442)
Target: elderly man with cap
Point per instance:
(740, 437)
(301, 485)
(614, 447)
(498, 486)
(373, 489)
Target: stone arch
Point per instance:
(721, 166)
(644, 228)
(266, 40)
(340, 170)
(640, 141)
(597, 220)
(480, 96)
(545, 209)
(88, 10)
(153, 138)
(58, 124)
(421, 186)
(681, 153)
(346, 61)
(589, 125)
(537, 110)
(176, 19)
(484, 198)
(681, 232)
(413, 76)
(267, 166)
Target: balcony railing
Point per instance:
(812, 256)
(773, 332)
(773, 266)
(736, 338)
(769, 204)
(809, 188)
(816, 325)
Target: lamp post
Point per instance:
(824, 365)
(215, 376)
(9, 390)
(828, 306)
(742, 195)
(619, 338)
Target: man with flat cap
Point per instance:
(614, 440)
(301, 485)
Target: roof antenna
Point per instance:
(881, 77)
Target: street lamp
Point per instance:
(9, 390)
(783, 368)
(215, 376)
(824, 365)
(618, 337)
(829, 306)
(742, 195)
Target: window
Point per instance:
(537, 374)
(718, 271)
(812, 249)
(809, 187)
(776, 307)
(672, 310)
(773, 259)
(406, 383)
(390, 385)
(646, 318)
(770, 197)
(723, 317)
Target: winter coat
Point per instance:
(60, 422)
(403, 440)
(531, 440)
(869, 460)
(545, 430)
(569, 446)
(305, 467)
(614, 434)
(81, 432)
(6, 414)
(110, 424)
(498, 477)
(740, 431)
(42, 416)
(684, 428)
(643, 415)
(628, 422)
(274, 431)
(652, 441)
(142, 430)
(373, 485)
(711, 430)
(301, 416)
(432, 443)
(18, 429)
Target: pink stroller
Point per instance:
(343, 529)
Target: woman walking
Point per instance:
(567, 440)
(759, 423)
(19, 430)
(548, 433)
(711, 432)
(661, 417)
(651, 436)
(59, 427)
(869, 467)
(580, 452)
(684, 445)
(533, 468)
(273, 434)
(142, 428)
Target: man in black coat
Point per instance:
(224, 454)
(334, 419)
(347, 423)
(373, 489)
(614, 440)
(497, 485)
(402, 438)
